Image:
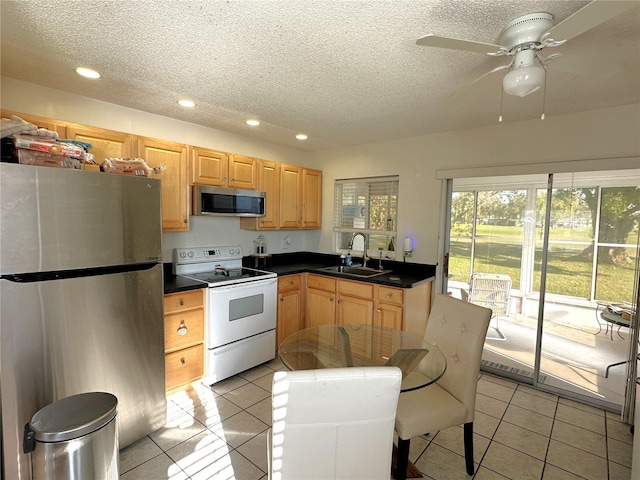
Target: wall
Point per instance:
(598, 134)
(36, 100)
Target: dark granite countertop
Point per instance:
(402, 275)
(177, 283)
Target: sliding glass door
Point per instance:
(565, 245)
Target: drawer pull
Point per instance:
(182, 329)
(182, 301)
(182, 361)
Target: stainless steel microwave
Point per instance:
(227, 201)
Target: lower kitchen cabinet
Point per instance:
(320, 306)
(183, 338)
(289, 307)
(355, 302)
(389, 307)
(328, 300)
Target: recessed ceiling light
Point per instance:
(186, 103)
(252, 122)
(301, 136)
(87, 72)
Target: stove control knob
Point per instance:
(190, 254)
(183, 254)
(231, 251)
(237, 251)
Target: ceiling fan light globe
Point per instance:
(523, 81)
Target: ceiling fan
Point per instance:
(524, 37)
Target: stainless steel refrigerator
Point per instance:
(80, 298)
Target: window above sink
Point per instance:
(366, 205)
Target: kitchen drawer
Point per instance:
(321, 283)
(184, 366)
(289, 282)
(194, 324)
(356, 289)
(391, 295)
(174, 302)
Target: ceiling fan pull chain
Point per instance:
(501, 97)
(544, 92)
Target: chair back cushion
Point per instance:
(458, 329)
(334, 423)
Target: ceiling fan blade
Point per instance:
(479, 79)
(589, 16)
(432, 40)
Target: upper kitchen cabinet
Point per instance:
(311, 198)
(300, 198)
(220, 169)
(42, 122)
(104, 143)
(175, 194)
(268, 182)
(209, 167)
(243, 172)
(290, 197)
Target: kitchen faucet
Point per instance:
(366, 246)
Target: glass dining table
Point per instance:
(355, 345)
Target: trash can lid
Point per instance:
(73, 417)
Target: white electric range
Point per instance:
(240, 319)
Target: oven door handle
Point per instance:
(251, 283)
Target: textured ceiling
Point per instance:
(343, 72)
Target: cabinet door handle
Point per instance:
(378, 310)
(331, 299)
(182, 329)
(224, 178)
(282, 299)
(183, 361)
(339, 301)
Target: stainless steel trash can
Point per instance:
(75, 438)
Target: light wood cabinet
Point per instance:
(331, 300)
(320, 306)
(175, 194)
(290, 301)
(104, 143)
(389, 307)
(243, 172)
(300, 197)
(268, 182)
(290, 197)
(209, 167)
(311, 198)
(183, 338)
(220, 169)
(355, 302)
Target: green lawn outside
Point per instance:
(567, 272)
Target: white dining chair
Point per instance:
(458, 329)
(334, 423)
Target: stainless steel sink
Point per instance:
(362, 272)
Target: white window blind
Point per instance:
(368, 205)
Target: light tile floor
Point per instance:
(219, 432)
